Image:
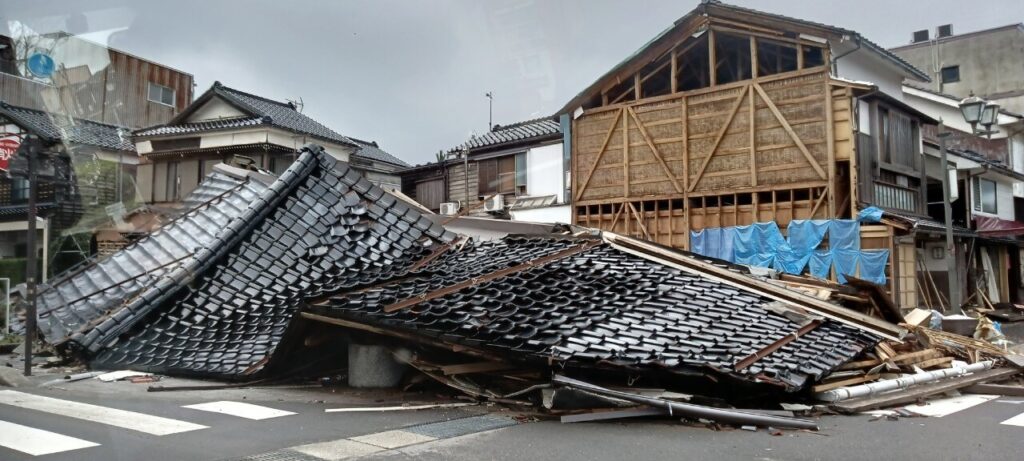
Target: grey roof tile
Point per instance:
(536, 129)
(59, 128)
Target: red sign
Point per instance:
(8, 147)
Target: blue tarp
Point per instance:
(872, 265)
(762, 244)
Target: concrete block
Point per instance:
(13, 378)
(373, 367)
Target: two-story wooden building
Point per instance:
(733, 116)
(228, 125)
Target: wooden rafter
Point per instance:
(600, 153)
(789, 130)
(753, 140)
(821, 199)
(639, 220)
(721, 134)
(654, 150)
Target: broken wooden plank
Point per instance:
(995, 389)
(477, 367)
(604, 415)
(844, 383)
(944, 362)
(859, 364)
(914, 357)
(921, 391)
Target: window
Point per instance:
(161, 94)
(732, 55)
(813, 56)
(950, 74)
(775, 57)
(19, 189)
(502, 175)
(985, 196)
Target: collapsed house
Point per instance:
(224, 291)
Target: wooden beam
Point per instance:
(776, 345)
(753, 138)
(408, 302)
(675, 71)
(639, 220)
(636, 86)
(792, 134)
(625, 156)
(753, 57)
(654, 150)
(844, 383)
(718, 138)
(817, 204)
(477, 367)
(830, 148)
(799, 56)
(600, 154)
(712, 71)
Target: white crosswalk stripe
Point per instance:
(1015, 421)
(240, 409)
(38, 442)
(110, 416)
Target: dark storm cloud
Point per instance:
(412, 74)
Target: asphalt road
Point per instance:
(974, 432)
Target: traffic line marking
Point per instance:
(240, 409)
(38, 442)
(131, 420)
(1015, 421)
(943, 407)
(336, 449)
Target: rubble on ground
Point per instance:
(264, 278)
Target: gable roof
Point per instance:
(515, 133)
(58, 128)
(259, 110)
(372, 151)
(717, 9)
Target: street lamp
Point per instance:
(979, 111)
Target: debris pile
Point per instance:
(263, 276)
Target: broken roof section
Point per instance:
(320, 227)
(75, 299)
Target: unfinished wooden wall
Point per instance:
(757, 150)
(457, 184)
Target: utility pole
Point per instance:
(951, 269)
(31, 149)
(490, 110)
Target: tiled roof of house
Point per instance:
(258, 110)
(59, 128)
(536, 129)
(372, 151)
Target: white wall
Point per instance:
(1004, 196)
(863, 66)
(548, 214)
(214, 109)
(545, 172)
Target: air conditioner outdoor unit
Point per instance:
(496, 203)
(449, 208)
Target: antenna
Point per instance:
(298, 105)
(490, 110)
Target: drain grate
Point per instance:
(281, 455)
(462, 426)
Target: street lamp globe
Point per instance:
(971, 108)
(990, 115)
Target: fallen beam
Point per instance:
(777, 292)
(919, 392)
(995, 389)
(881, 387)
(690, 410)
(605, 415)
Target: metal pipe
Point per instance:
(864, 390)
(693, 411)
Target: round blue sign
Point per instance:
(41, 65)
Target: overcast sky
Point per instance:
(412, 75)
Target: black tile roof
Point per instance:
(320, 227)
(58, 128)
(501, 135)
(372, 151)
(76, 298)
(600, 306)
(258, 110)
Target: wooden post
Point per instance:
(713, 61)
(636, 86)
(675, 71)
(753, 137)
(830, 147)
(625, 156)
(800, 56)
(753, 57)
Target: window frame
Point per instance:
(942, 74)
(163, 91)
(982, 182)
